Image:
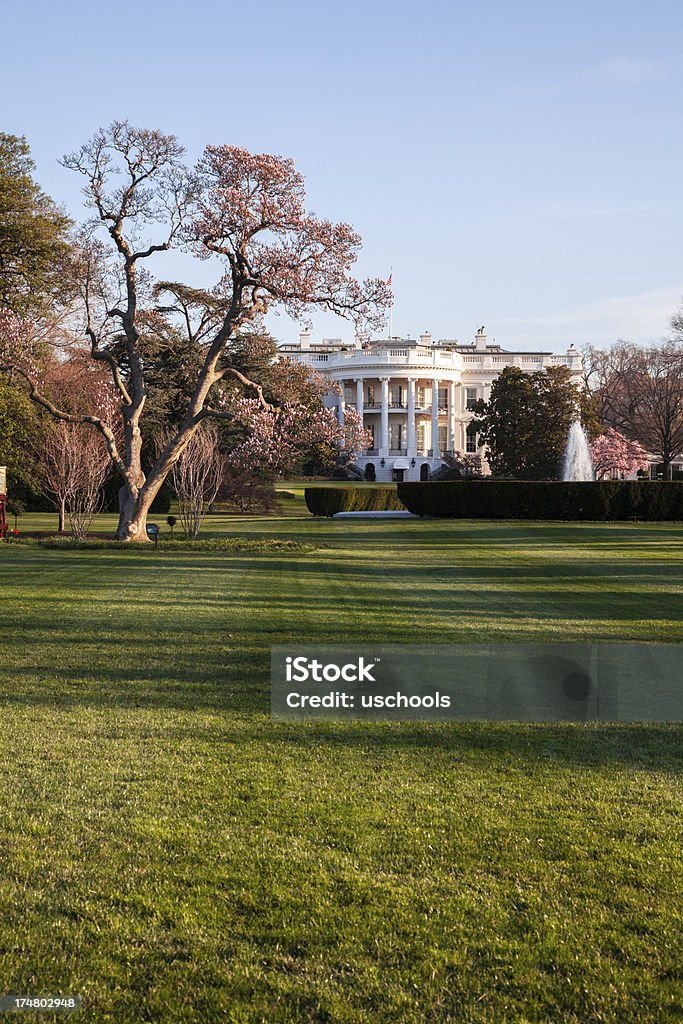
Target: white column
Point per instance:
(384, 418)
(359, 398)
(341, 404)
(412, 451)
(463, 435)
(451, 415)
(435, 419)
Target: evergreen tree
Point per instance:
(525, 424)
(19, 429)
(33, 235)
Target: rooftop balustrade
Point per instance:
(359, 359)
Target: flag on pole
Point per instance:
(390, 278)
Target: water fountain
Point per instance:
(577, 463)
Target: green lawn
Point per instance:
(170, 854)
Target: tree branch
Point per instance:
(144, 253)
(106, 357)
(105, 430)
(232, 372)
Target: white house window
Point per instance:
(349, 395)
(421, 439)
(443, 438)
(421, 398)
(471, 397)
(397, 395)
(443, 399)
(471, 443)
(396, 436)
(371, 395)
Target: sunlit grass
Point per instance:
(171, 854)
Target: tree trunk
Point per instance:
(136, 501)
(62, 516)
(133, 515)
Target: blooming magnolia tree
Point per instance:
(277, 438)
(247, 215)
(612, 452)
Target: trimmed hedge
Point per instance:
(326, 501)
(545, 499)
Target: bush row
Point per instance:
(522, 499)
(239, 545)
(326, 501)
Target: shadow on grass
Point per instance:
(239, 714)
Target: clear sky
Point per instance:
(517, 164)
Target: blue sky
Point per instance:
(519, 165)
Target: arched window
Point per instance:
(370, 473)
(424, 471)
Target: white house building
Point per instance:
(415, 396)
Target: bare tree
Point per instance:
(75, 468)
(640, 394)
(243, 212)
(196, 476)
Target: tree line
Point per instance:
(630, 402)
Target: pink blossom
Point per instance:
(612, 452)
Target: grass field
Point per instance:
(170, 854)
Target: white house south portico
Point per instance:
(415, 396)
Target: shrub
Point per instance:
(166, 546)
(245, 493)
(542, 499)
(326, 501)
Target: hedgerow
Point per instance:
(602, 500)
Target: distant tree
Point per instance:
(242, 212)
(16, 508)
(196, 476)
(526, 421)
(18, 425)
(34, 243)
(74, 463)
(506, 422)
(614, 453)
(20, 430)
(247, 491)
(75, 467)
(640, 394)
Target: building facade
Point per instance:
(416, 396)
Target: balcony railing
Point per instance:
(425, 358)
